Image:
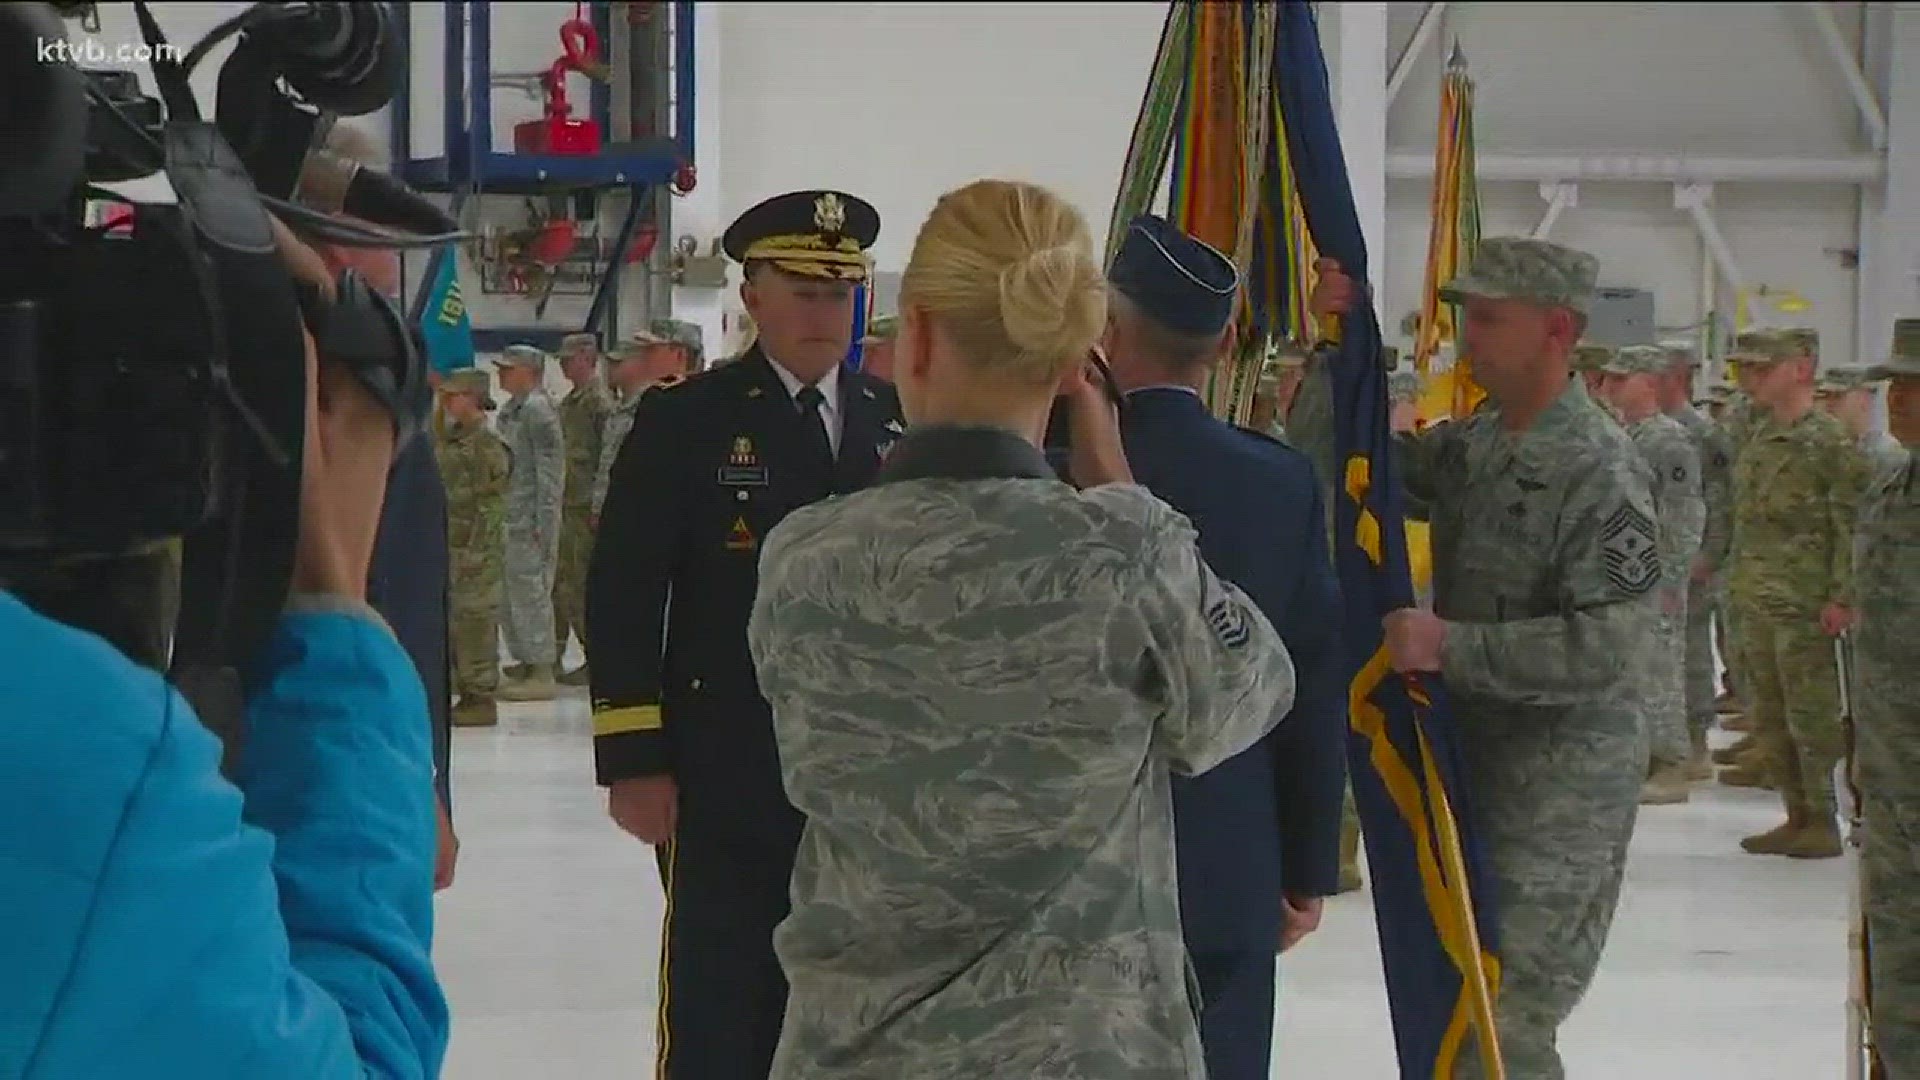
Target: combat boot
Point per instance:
(1698, 765)
(1747, 776)
(577, 677)
(1667, 785)
(1777, 840)
(476, 711)
(1731, 755)
(538, 685)
(1815, 840)
(515, 671)
(1740, 722)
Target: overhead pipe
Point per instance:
(1660, 166)
(1871, 114)
(1403, 64)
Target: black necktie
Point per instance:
(809, 400)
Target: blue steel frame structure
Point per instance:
(469, 165)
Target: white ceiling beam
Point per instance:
(1871, 115)
(1697, 200)
(1660, 166)
(1559, 197)
(1423, 33)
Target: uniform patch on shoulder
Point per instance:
(1627, 548)
(1229, 623)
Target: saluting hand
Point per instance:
(1097, 455)
(647, 807)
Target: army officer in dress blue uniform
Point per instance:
(1258, 837)
(682, 737)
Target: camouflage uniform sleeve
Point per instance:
(612, 431)
(1309, 421)
(549, 446)
(1716, 485)
(1684, 517)
(1844, 491)
(1424, 458)
(496, 466)
(1221, 665)
(1607, 558)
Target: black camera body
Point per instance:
(152, 375)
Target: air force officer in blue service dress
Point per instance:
(1258, 836)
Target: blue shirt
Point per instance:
(158, 922)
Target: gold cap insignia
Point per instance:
(829, 214)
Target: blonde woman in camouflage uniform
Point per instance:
(1797, 484)
(982, 682)
(1887, 581)
(473, 466)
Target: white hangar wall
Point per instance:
(899, 102)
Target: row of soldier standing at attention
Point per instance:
(916, 728)
(524, 501)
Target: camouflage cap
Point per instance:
(1774, 346)
(526, 356)
(1403, 387)
(1591, 356)
(472, 381)
(1681, 351)
(676, 332)
(881, 328)
(1520, 268)
(1636, 360)
(1840, 380)
(1904, 359)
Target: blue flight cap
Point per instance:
(1179, 282)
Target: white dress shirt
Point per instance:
(831, 414)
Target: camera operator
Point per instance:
(409, 578)
(157, 922)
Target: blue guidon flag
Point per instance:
(446, 331)
(1431, 898)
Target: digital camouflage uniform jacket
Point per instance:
(981, 690)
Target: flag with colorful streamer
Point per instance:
(1431, 897)
(1454, 233)
(1238, 108)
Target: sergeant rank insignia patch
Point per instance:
(1628, 550)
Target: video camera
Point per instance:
(151, 364)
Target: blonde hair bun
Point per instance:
(1007, 268)
(1053, 302)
